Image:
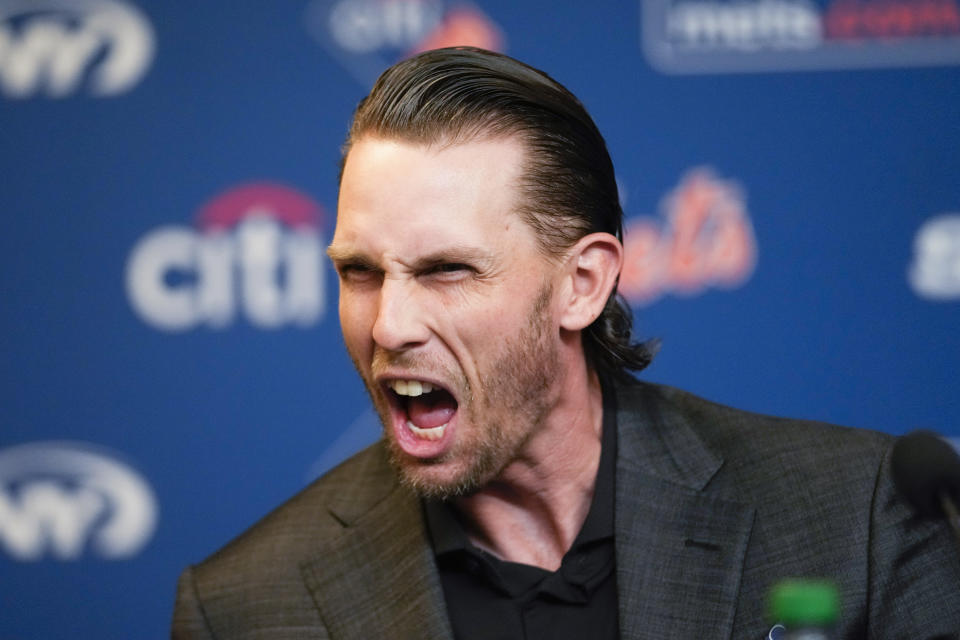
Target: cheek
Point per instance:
(356, 321)
(484, 331)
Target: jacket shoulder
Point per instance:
(756, 456)
(747, 437)
(288, 535)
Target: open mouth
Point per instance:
(425, 408)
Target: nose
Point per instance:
(400, 324)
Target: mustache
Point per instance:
(418, 364)
(384, 360)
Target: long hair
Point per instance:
(567, 188)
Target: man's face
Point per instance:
(446, 306)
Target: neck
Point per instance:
(532, 512)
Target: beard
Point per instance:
(497, 416)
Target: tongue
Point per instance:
(431, 409)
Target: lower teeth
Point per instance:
(433, 433)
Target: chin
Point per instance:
(435, 479)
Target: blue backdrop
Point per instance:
(172, 365)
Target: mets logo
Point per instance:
(367, 36)
(66, 499)
(724, 36)
(705, 238)
(256, 251)
(55, 47)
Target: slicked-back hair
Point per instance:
(567, 188)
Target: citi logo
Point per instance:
(705, 239)
(56, 47)
(63, 500)
(256, 252)
(367, 36)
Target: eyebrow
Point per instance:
(343, 255)
(456, 253)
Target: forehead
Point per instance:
(397, 194)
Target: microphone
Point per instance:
(926, 471)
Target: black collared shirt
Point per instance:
(490, 599)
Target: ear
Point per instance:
(593, 266)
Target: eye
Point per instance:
(449, 271)
(451, 267)
(356, 271)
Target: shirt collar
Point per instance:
(447, 533)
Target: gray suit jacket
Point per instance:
(713, 506)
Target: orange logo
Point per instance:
(706, 239)
(463, 26)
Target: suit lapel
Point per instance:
(378, 578)
(680, 548)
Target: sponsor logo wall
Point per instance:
(172, 361)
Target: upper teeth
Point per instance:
(410, 387)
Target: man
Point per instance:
(526, 486)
